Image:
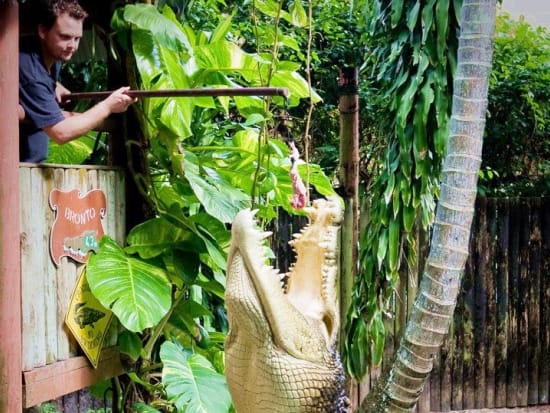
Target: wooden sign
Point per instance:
(77, 228)
(87, 319)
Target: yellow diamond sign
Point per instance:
(87, 319)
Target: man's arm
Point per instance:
(77, 124)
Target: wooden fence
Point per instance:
(497, 353)
(53, 364)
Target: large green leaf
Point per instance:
(227, 56)
(138, 293)
(296, 85)
(298, 13)
(222, 29)
(184, 320)
(155, 236)
(191, 382)
(208, 188)
(73, 152)
(164, 27)
(130, 345)
(272, 8)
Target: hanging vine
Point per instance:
(414, 46)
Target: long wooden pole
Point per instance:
(349, 177)
(243, 91)
(10, 274)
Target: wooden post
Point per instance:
(349, 180)
(10, 275)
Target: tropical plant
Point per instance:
(413, 58)
(205, 160)
(322, 36)
(399, 389)
(516, 158)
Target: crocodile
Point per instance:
(280, 350)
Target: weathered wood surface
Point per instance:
(46, 288)
(544, 303)
(497, 354)
(68, 376)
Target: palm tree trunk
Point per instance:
(399, 389)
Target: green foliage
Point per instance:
(191, 382)
(47, 408)
(206, 158)
(516, 154)
(322, 45)
(138, 293)
(413, 59)
(75, 152)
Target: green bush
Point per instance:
(516, 155)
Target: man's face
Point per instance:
(61, 40)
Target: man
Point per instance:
(58, 34)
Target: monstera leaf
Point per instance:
(138, 293)
(191, 382)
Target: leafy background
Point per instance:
(204, 159)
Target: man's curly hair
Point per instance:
(52, 9)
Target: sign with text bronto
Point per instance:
(77, 228)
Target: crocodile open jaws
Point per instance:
(281, 347)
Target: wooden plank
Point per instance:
(502, 283)
(480, 263)
(10, 254)
(112, 183)
(433, 383)
(107, 184)
(32, 270)
(94, 181)
(423, 405)
(65, 166)
(490, 287)
(533, 304)
(512, 372)
(50, 284)
(65, 180)
(67, 376)
(523, 292)
(458, 359)
(446, 363)
(24, 182)
(468, 320)
(544, 367)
